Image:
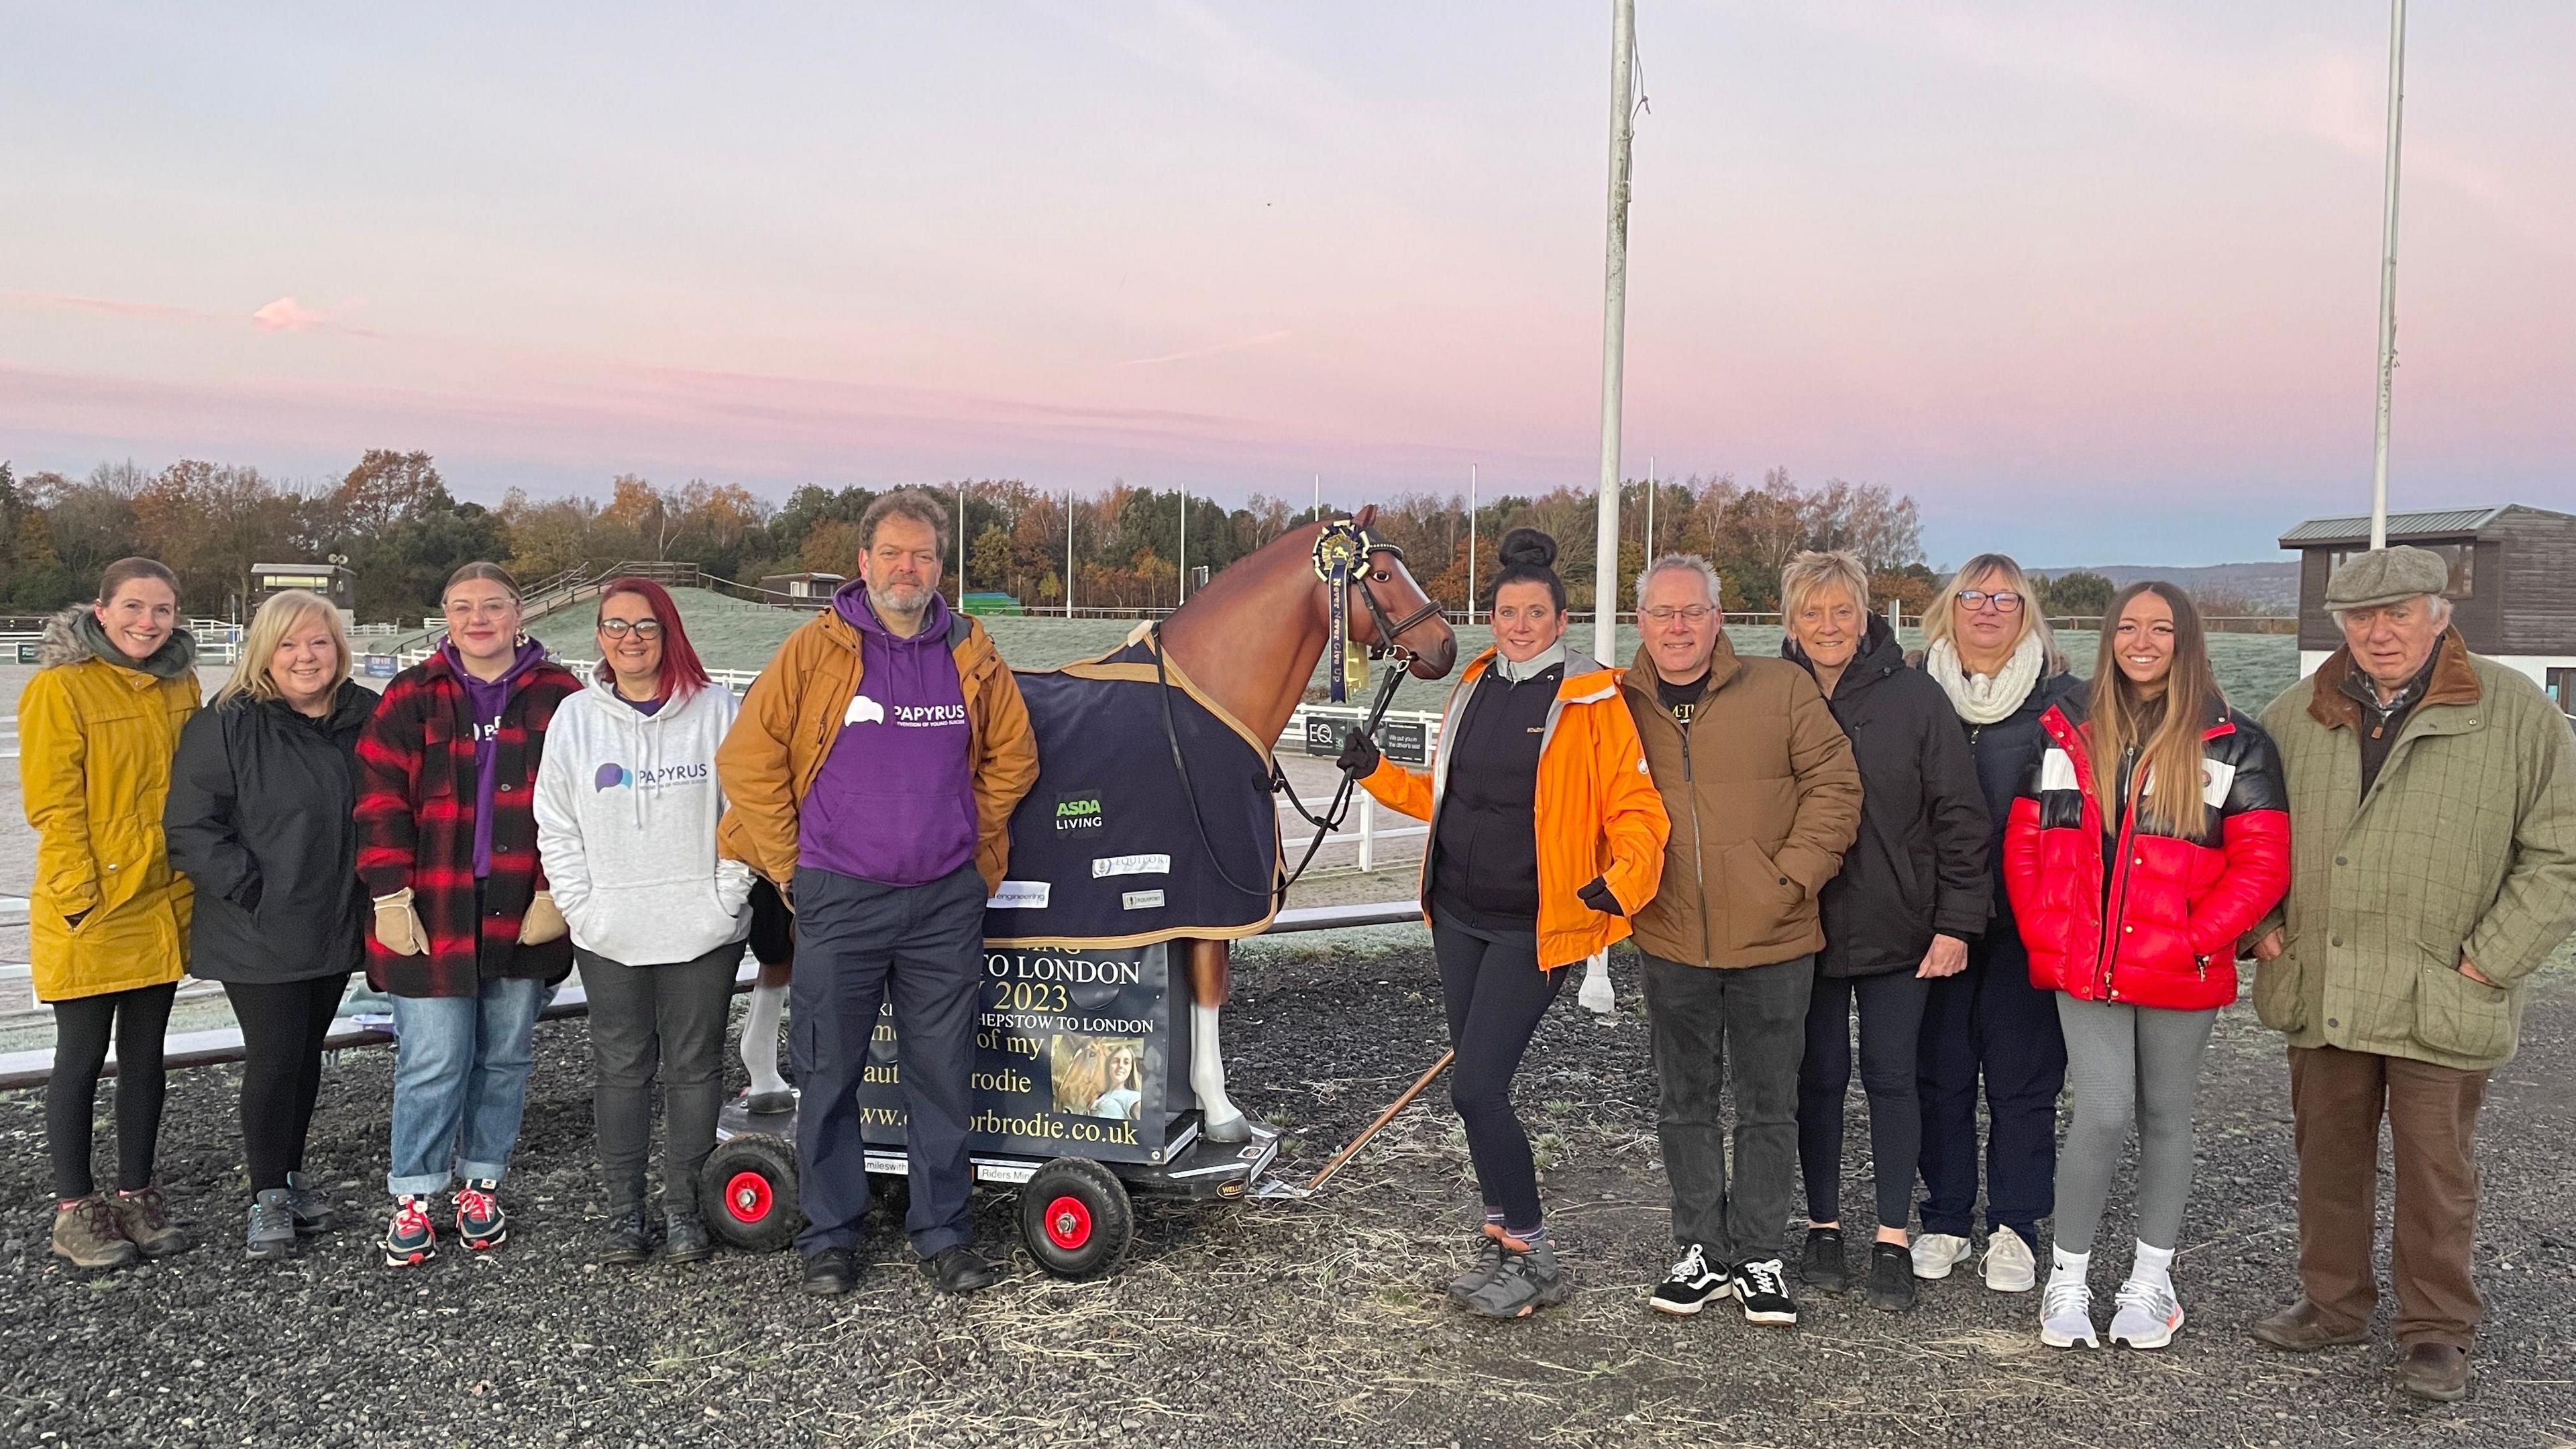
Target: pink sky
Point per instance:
(2095, 288)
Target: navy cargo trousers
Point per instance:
(859, 944)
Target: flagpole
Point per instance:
(2388, 276)
(1068, 553)
(1614, 333)
(1471, 543)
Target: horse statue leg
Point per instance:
(1211, 982)
(1596, 996)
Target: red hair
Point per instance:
(681, 674)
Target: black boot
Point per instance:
(629, 1239)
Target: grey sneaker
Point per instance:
(272, 1226)
(314, 1211)
(1487, 1267)
(2066, 1315)
(1527, 1283)
(2148, 1315)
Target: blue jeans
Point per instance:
(460, 1083)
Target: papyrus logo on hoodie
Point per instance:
(612, 776)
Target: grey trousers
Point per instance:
(2128, 1065)
(667, 1021)
(1712, 1028)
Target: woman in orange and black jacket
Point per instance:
(1546, 834)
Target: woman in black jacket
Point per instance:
(1912, 891)
(261, 816)
(1988, 648)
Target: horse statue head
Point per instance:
(1251, 638)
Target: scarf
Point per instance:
(1984, 699)
(176, 656)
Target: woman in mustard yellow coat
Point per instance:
(107, 926)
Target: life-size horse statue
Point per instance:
(1215, 682)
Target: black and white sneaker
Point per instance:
(1692, 1285)
(1763, 1286)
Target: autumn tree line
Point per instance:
(392, 518)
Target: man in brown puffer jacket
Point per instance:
(1764, 797)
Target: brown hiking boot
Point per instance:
(87, 1235)
(2303, 1328)
(147, 1222)
(2436, 1371)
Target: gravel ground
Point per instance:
(1254, 1324)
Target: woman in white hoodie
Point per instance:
(626, 806)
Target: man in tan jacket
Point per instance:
(872, 775)
(1764, 797)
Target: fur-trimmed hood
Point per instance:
(74, 635)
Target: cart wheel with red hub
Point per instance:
(1075, 1217)
(748, 1189)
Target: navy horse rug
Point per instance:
(1105, 851)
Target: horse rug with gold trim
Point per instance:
(1105, 851)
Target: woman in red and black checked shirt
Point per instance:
(467, 937)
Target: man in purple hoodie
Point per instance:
(871, 777)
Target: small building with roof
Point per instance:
(2513, 583)
(811, 590)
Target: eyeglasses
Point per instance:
(644, 628)
(1689, 615)
(2006, 602)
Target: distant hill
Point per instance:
(2271, 585)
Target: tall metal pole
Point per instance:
(1650, 508)
(1319, 495)
(961, 548)
(2388, 276)
(1068, 553)
(1471, 543)
(1185, 543)
(1614, 333)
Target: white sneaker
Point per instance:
(2148, 1318)
(2010, 1268)
(1935, 1254)
(2066, 1315)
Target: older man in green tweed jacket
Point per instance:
(2433, 841)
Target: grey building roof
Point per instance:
(2436, 523)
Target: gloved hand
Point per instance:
(1597, 895)
(1359, 757)
(398, 927)
(542, 922)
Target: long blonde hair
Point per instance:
(2165, 730)
(1941, 621)
(252, 675)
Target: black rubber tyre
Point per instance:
(747, 1192)
(1075, 1217)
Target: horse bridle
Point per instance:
(1343, 547)
(1346, 539)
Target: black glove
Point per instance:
(1359, 757)
(1597, 896)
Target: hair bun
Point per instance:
(1527, 548)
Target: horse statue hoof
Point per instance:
(1237, 1128)
(1596, 996)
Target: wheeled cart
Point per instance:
(1081, 1090)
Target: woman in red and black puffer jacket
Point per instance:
(2130, 896)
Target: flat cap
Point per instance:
(2387, 576)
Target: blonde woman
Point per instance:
(1990, 651)
(1912, 893)
(107, 922)
(262, 818)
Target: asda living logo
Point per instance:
(1079, 810)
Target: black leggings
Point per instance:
(1496, 996)
(282, 1026)
(1891, 1029)
(82, 1025)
